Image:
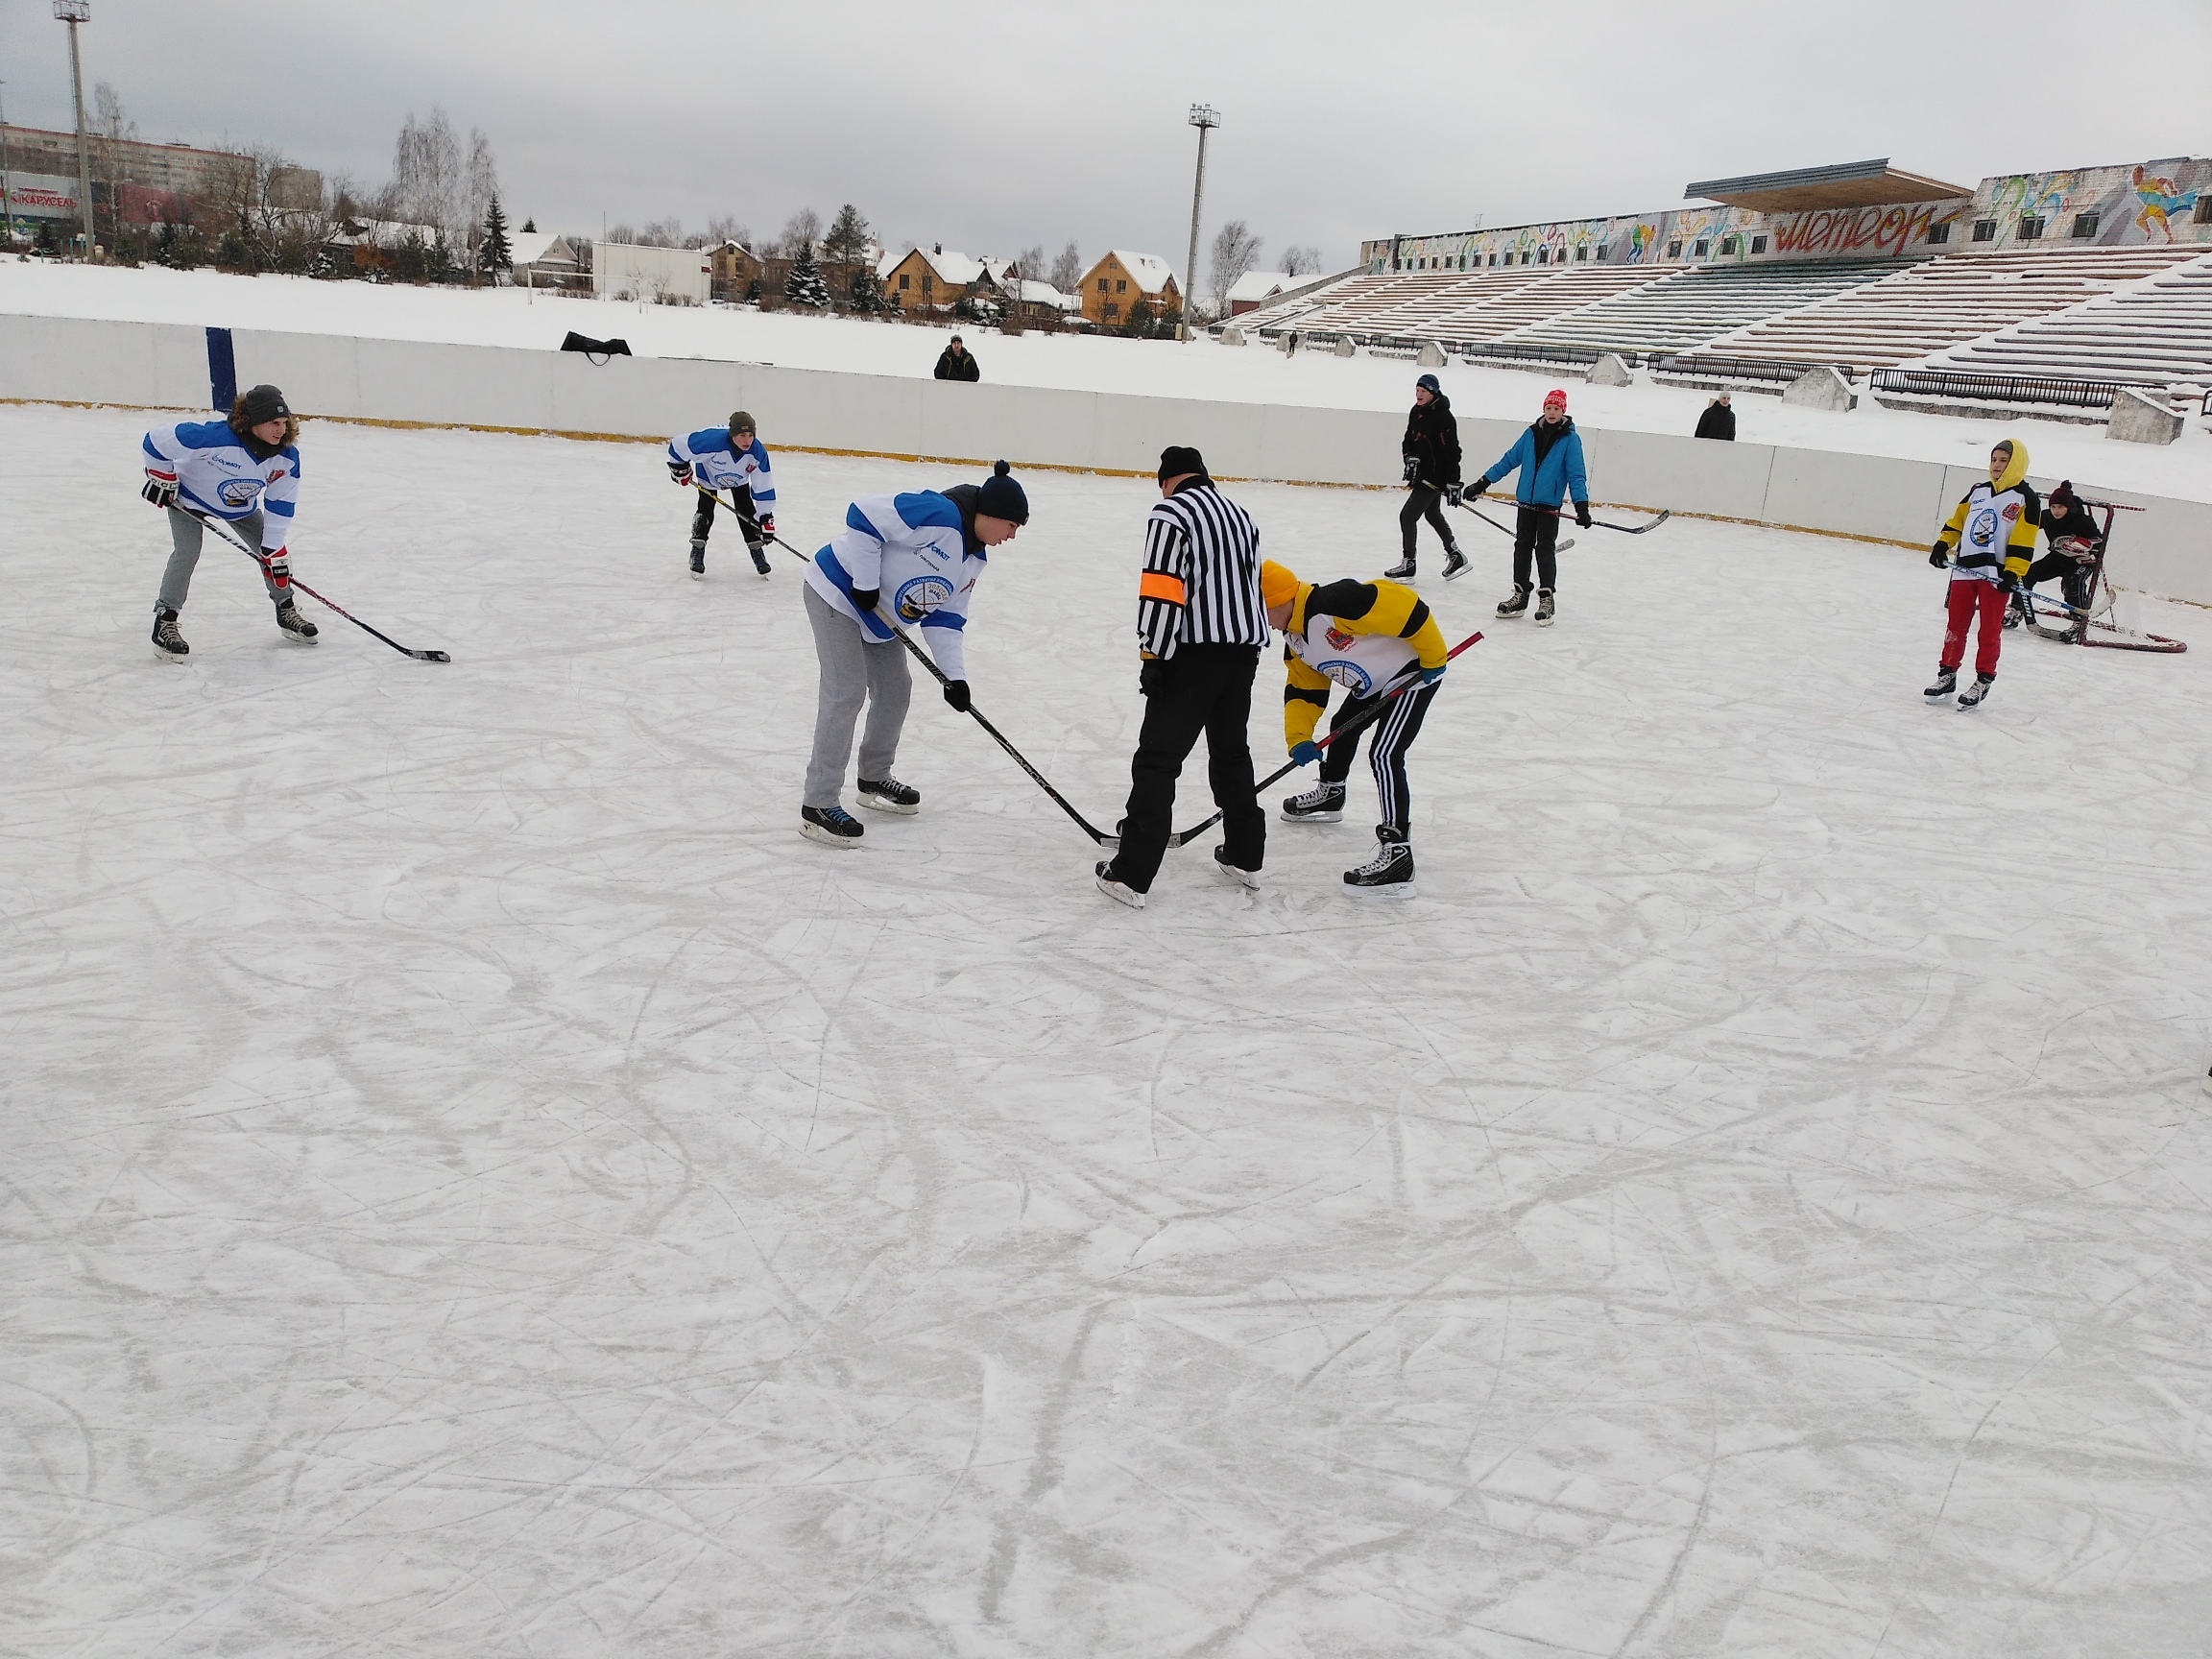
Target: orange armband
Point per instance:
(1159, 585)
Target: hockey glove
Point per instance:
(956, 694)
(1582, 514)
(767, 522)
(1305, 753)
(2007, 584)
(160, 490)
(1429, 676)
(679, 471)
(1413, 468)
(1939, 556)
(866, 599)
(1476, 488)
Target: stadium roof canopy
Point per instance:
(1846, 184)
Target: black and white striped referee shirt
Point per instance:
(1201, 580)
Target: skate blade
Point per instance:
(1248, 880)
(1312, 817)
(1388, 894)
(297, 639)
(878, 804)
(1119, 894)
(843, 842)
(1543, 621)
(1455, 575)
(161, 656)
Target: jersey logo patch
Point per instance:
(919, 595)
(1982, 530)
(2012, 511)
(1349, 675)
(1340, 639)
(239, 492)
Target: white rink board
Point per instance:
(478, 1182)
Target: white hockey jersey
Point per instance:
(717, 464)
(218, 475)
(912, 549)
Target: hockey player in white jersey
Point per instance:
(730, 458)
(244, 470)
(918, 557)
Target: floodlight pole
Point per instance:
(7, 193)
(73, 12)
(1205, 117)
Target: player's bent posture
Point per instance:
(1200, 623)
(2070, 531)
(1993, 529)
(917, 556)
(245, 471)
(728, 458)
(1369, 638)
(1549, 457)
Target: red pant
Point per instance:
(1966, 596)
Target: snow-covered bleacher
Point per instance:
(1686, 308)
(1943, 303)
(1453, 307)
(2155, 332)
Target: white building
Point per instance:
(668, 276)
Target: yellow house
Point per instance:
(1121, 279)
(932, 277)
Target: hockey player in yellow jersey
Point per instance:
(1370, 637)
(1987, 545)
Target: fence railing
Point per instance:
(1996, 388)
(1743, 369)
(1542, 352)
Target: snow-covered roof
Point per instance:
(531, 246)
(1045, 294)
(952, 267)
(1149, 270)
(1257, 285)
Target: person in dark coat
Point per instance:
(2065, 520)
(1432, 452)
(953, 363)
(1718, 419)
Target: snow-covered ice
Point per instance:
(1202, 370)
(478, 1182)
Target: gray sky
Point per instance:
(990, 126)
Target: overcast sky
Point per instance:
(990, 127)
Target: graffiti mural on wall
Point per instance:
(2097, 206)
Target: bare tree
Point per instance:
(1067, 269)
(1032, 263)
(113, 129)
(725, 227)
(481, 191)
(1236, 250)
(662, 233)
(801, 232)
(1301, 262)
(429, 183)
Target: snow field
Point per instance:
(479, 1182)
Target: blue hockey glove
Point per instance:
(1305, 753)
(1429, 676)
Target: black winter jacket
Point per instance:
(1717, 422)
(1432, 438)
(960, 368)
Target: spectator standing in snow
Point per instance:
(1549, 457)
(1432, 451)
(953, 363)
(1718, 420)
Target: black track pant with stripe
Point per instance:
(1388, 741)
(702, 517)
(1202, 688)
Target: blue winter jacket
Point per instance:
(1547, 482)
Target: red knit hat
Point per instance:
(1557, 394)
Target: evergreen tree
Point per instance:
(495, 253)
(805, 286)
(848, 239)
(868, 295)
(530, 225)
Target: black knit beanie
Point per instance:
(1001, 498)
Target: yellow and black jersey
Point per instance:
(1359, 634)
(1993, 529)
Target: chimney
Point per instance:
(937, 248)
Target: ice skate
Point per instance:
(168, 645)
(1402, 571)
(889, 795)
(1971, 697)
(760, 561)
(292, 625)
(1324, 804)
(1116, 889)
(832, 826)
(698, 560)
(1543, 616)
(1946, 683)
(1455, 563)
(1235, 872)
(1389, 874)
(1517, 603)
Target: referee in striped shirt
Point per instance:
(1200, 624)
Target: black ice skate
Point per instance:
(760, 561)
(1389, 874)
(1455, 563)
(1402, 571)
(168, 645)
(832, 826)
(1946, 683)
(699, 559)
(292, 625)
(889, 795)
(1514, 605)
(1971, 697)
(1323, 803)
(1543, 616)
(1235, 872)
(1116, 889)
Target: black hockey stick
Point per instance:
(976, 714)
(1461, 504)
(1603, 524)
(1412, 679)
(224, 530)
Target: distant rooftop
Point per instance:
(1845, 184)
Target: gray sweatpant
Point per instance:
(184, 535)
(853, 671)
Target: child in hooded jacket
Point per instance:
(1993, 532)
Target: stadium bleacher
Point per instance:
(2155, 332)
(1686, 308)
(1452, 307)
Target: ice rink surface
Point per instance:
(477, 1183)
